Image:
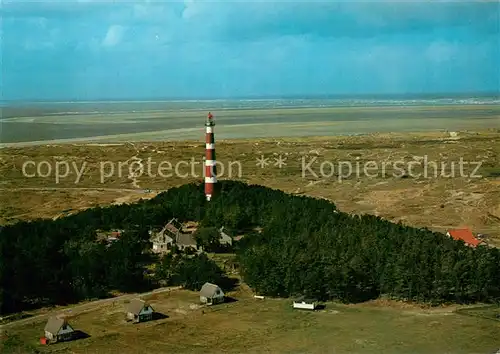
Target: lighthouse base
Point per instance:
(209, 197)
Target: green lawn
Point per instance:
(272, 326)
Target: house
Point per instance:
(139, 311)
(464, 235)
(174, 233)
(211, 294)
(109, 236)
(225, 239)
(58, 329)
(162, 241)
(305, 304)
(184, 241)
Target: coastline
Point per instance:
(239, 124)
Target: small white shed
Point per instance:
(305, 304)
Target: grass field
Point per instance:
(251, 325)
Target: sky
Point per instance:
(94, 49)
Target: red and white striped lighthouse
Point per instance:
(210, 168)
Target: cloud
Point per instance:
(113, 36)
(254, 20)
(194, 47)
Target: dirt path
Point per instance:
(78, 309)
(137, 190)
(135, 174)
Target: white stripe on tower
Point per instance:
(210, 170)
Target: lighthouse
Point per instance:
(210, 169)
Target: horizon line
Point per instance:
(262, 97)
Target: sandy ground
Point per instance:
(243, 124)
(437, 203)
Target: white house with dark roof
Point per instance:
(211, 294)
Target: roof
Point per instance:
(464, 235)
(54, 324)
(135, 306)
(160, 237)
(186, 240)
(171, 228)
(225, 238)
(306, 300)
(109, 234)
(208, 290)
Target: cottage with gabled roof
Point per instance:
(465, 235)
(139, 311)
(184, 241)
(211, 294)
(58, 329)
(162, 241)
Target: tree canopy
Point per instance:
(208, 238)
(305, 247)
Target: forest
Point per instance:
(304, 246)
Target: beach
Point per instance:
(120, 123)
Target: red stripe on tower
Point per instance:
(210, 170)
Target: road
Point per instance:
(89, 306)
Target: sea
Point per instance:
(109, 106)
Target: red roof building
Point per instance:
(464, 235)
